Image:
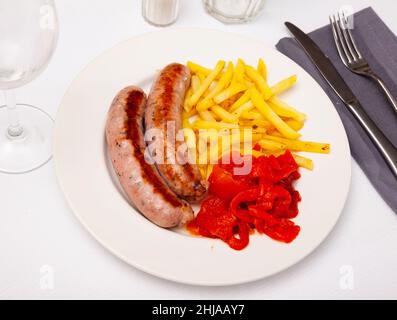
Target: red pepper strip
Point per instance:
(274, 169)
(227, 161)
(203, 232)
(287, 158)
(281, 201)
(245, 196)
(215, 220)
(195, 229)
(257, 147)
(278, 229)
(288, 166)
(243, 240)
(248, 195)
(243, 215)
(259, 225)
(285, 233)
(224, 185)
(263, 199)
(295, 175)
(264, 188)
(255, 212)
(293, 209)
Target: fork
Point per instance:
(351, 56)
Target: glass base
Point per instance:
(33, 148)
(234, 11)
(228, 20)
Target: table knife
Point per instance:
(336, 82)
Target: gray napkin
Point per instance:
(379, 46)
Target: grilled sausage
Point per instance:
(164, 108)
(140, 180)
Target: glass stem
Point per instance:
(15, 130)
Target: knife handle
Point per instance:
(387, 92)
(382, 143)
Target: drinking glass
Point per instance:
(28, 36)
(234, 11)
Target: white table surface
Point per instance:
(37, 228)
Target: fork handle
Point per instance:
(382, 143)
(386, 90)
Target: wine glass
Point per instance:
(28, 37)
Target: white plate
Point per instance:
(88, 184)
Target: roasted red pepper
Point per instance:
(224, 185)
(264, 199)
(257, 147)
(215, 220)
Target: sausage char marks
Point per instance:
(140, 180)
(165, 103)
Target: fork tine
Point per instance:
(350, 35)
(339, 46)
(342, 38)
(346, 37)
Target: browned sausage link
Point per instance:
(140, 180)
(165, 104)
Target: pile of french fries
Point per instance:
(229, 97)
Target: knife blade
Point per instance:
(336, 82)
(323, 64)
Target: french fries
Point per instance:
(206, 83)
(246, 107)
(283, 85)
(201, 75)
(229, 92)
(223, 82)
(259, 81)
(189, 114)
(299, 145)
(186, 105)
(205, 104)
(285, 110)
(207, 115)
(233, 97)
(251, 115)
(224, 115)
(240, 101)
(303, 162)
(269, 114)
(294, 124)
(262, 69)
(257, 123)
(217, 125)
(196, 68)
(238, 76)
(195, 85)
(272, 145)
